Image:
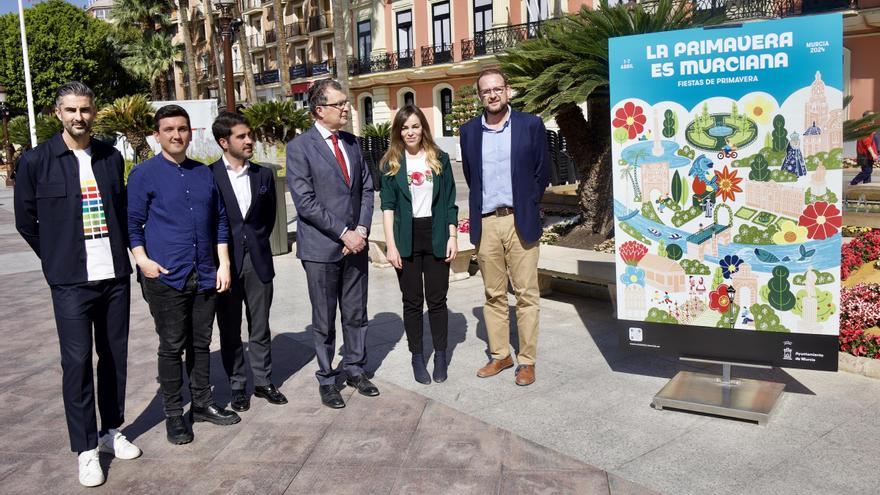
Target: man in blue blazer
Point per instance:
(332, 190)
(248, 191)
(504, 157)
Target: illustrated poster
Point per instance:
(727, 175)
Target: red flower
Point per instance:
(821, 219)
(418, 178)
(632, 252)
(728, 184)
(630, 117)
(719, 299)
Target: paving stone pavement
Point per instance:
(591, 402)
(400, 442)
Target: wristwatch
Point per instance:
(362, 231)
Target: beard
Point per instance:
(78, 132)
(242, 154)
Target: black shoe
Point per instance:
(331, 397)
(213, 414)
(420, 372)
(240, 401)
(270, 393)
(363, 385)
(439, 366)
(177, 431)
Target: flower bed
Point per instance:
(860, 309)
(864, 248)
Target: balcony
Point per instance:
(270, 36)
(250, 5)
(437, 54)
(297, 71)
(319, 68)
(319, 22)
(311, 69)
(296, 29)
(256, 40)
(499, 39)
(740, 10)
(266, 77)
(205, 72)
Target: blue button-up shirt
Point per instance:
(497, 179)
(176, 213)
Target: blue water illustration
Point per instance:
(642, 152)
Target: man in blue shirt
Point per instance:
(177, 226)
(504, 159)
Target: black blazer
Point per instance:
(251, 232)
(48, 208)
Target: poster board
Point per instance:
(727, 148)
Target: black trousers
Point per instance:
(345, 283)
(257, 298)
(80, 309)
(424, 278)
(184, 321)
(864, 175)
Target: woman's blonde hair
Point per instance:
(392, 158)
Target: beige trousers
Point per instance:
(502, 254)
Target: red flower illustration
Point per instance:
(632, 252)
(630, 117)
(728, 184)
(418, 178)
(821, 219)
(719, 299)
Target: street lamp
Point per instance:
(7, 145)
(225, 8)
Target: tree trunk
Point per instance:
(250, 86)
(142, 150)
(588, 145)
(155, 89)
(281, 48)
(212, 42)
(188, 56)
(340, 50)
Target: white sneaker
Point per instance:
(115, 443)
(90, 473)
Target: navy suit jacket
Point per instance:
(325, 204)
(528, 167)
(250, 232)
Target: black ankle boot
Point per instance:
(420, 372)
(439, 366)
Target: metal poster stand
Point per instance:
(751, 400)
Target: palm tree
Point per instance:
(281, 47)
(340, 47)
(150, 58)
(250, 85)
(276, 121)
(188, 56)
(131, 116)
(854, 129)
(145, 14)
(566, 65)
(215, 52)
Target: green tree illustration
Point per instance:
(717, 278)
(668, 124)
(780, 296)
(674, 252)
(780, 135)
(676, 187)
(759, 172)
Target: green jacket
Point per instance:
(396, 196)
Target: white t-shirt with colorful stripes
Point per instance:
(99, 257)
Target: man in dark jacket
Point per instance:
(70, 207)
(248, 191)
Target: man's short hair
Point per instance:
(169, 111)
(223, 124)
(491, 72)
(75, 88)
(318, 93)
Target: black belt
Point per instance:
(499, 212)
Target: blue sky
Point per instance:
(7, 6)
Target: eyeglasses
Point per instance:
(339, 105)
(492, 91)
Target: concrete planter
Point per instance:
(858, 365)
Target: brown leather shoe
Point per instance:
(495, 366)
(525, 374)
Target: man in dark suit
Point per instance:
(248, 191)
(70, 208)
(504, 158)
(333, 194)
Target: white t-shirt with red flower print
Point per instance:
(420, 178)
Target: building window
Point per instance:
(409, 98)
(365, 40)
(537, 10)
(299, 100)
(482, 15)
(368, 111)
(446, 109)
(101, 13)
(404, 39)
(442, 29)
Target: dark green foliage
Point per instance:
(759, 172)
(728, 319)
(659, 316)
(694, 267)
(674, 252)
(780, 135)
(676, 186)
(465, 106)
(668, 124)
(780, 296)
(766, 319)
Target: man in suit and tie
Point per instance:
(332, 190)
(504, 159)
(248, 191)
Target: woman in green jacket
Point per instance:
(421, 227)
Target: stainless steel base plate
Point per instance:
(751, 400)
